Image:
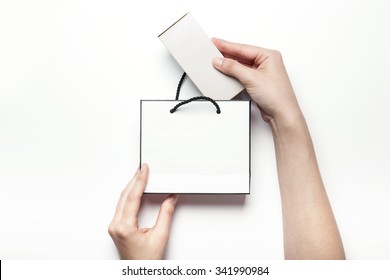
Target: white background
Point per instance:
(71, 77)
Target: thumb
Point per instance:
(233, 68)
(165, 216)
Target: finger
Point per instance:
(165, 216)
(133, 199)
(122, 199)
(235, 69)
(241, 52)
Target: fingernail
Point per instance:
(218, 61)
(143, 167)
(173, 198)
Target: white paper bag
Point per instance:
(195, 150)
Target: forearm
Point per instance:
(310, 230)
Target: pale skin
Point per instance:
(133, 242)
(309, 227)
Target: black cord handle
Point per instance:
(179, 85)
(194, 99)
(191, 99)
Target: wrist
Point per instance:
(288, 123)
